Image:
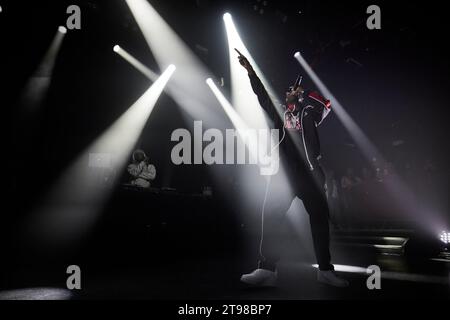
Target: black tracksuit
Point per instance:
(305, 176)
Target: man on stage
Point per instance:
(299, 156)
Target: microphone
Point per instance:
(297, 82)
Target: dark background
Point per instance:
(397, 91)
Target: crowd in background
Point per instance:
(368, 196)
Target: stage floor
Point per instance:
(218, 278)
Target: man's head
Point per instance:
(294, 95)
(139, 155)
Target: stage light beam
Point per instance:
(350, 125)
(405, 197)
(187, 86)
(72, 206)
(37, 86)
(243, 98)
(135, 63)
(237, 122)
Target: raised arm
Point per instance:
(258, 88)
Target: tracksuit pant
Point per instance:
(279, 199)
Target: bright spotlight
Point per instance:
(297, 54)
(445, 237)
(171, 68)
(226, 16)
(62, 29)
(116, 48)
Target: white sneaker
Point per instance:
(330, 278)
(261, 278)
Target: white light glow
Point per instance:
(187, 86)
(445, 237)
(116, 48)
(37, 86)
(227, 16)
(76, 199)
(238, 123)
(243, 97)
(62, 29)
